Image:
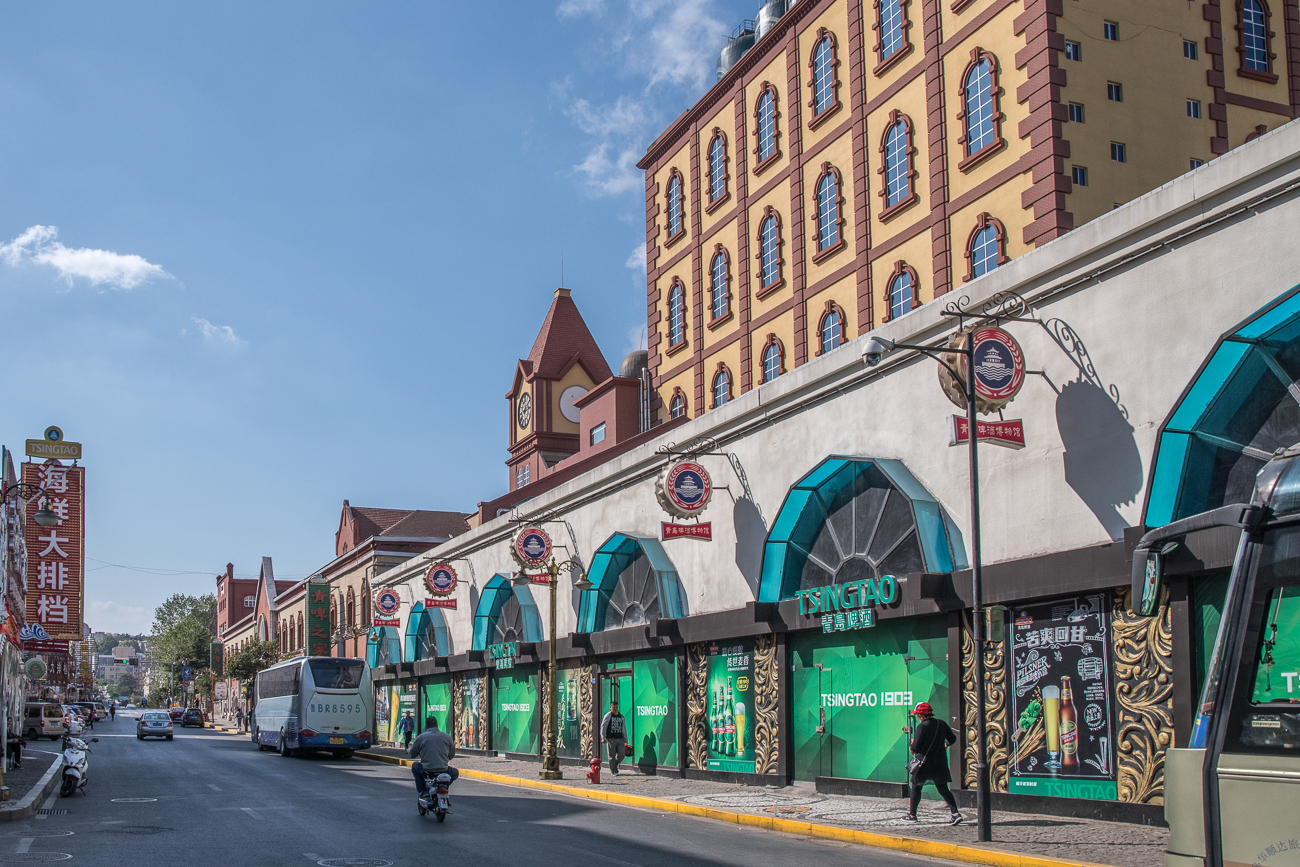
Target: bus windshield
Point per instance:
(1268, 712)
(333, 673)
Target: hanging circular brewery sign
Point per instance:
(684, 489)
(36, 668)
(532, 547)
(387, 603)
(999, 369)
(440, 579)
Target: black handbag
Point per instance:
(914, 764)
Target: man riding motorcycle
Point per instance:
(432, 751)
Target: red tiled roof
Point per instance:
(372, 522)
(563, 337)
(423, 523)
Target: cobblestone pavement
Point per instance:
(1117, 843)
(36, 760)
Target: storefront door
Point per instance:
(616, 687)
(813, 726)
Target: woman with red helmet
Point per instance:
(930, 742)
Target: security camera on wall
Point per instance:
(875, 350)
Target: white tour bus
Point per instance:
(313, 703)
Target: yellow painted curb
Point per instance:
(914, 845)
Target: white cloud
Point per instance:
(40, 245)
(611, 177)
(636, 261)
(636, 339)
(624, 117)
(574, 8)
(218, 333)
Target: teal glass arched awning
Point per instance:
(427, 635)
(383, 645)
(853, 518)
(1242, 405)
(505, 613)
(633, 581)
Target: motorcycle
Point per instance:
(75, 773)
(435, 798)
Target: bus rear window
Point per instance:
(336, 673)
(1270, 697)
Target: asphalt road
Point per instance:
(218, 801)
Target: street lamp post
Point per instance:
(873, 354)
(44, 515)
(550, 758)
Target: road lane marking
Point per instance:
(250, 811)
(49, 804)
(214, 788)
(311, 856)
(24, 844)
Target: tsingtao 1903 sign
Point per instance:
(848, 606)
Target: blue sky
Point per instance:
(260, 258)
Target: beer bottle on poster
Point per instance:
(1069, 727)
(713, 721)
(729, 722)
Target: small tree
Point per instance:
(125, 685)
(246, 663)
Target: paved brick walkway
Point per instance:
(1117, 843)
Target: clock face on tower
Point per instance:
(567, 397)
(525, 410)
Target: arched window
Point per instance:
(769, 251)
(721, 386)
(1254, 38)
(365, 604)
(301, 634)
(831, 329)
(900, 294)
(676, 316)
(717, 167)
(352, 608)
(986, 248)
(250, 601)
(891, 33)
(828, 209)
(334, 619)
(719, 293)
(896, 164)
(765, 132)
(676, 222)
(980, 117)
(825, 95)
(772, 366)
(677, 407)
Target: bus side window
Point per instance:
(1268, 722)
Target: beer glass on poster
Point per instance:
(1001, 307)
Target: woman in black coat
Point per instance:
(930, 742)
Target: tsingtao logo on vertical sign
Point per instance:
(684, 489)
(532, 547)
(387, 604)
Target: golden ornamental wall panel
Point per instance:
(1143, 653)
(697, 728)
(587, 711)
(767, 725)
(995, 705)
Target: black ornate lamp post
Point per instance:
(873, 354)
(550, 759)
(44, 515)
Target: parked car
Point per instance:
(153, 724)
(176, 713)
(96, 708)
(193, 716)
(43, 720)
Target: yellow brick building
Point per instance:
(863, 158)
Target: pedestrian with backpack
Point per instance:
(929, 763)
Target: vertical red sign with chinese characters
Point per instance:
(318, 619)
(56, 555)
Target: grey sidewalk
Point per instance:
(1116, 843)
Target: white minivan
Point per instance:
(42, 719)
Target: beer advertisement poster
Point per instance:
(383, 717)
(516, 724)
(654, 723)
(435, 701)
(730, 705)
(1059, 688)
(568, 737)
(467, 717)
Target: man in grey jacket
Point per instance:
(433, 751)
(613, 731)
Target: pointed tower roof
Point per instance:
(564, 338)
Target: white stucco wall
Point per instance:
(1171, 285)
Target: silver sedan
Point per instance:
(154, 724)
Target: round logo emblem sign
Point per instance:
(684, 489)
(999, 365)
(36, 668)
(53, 434)
(532, 547)
(388, 602)
(440, 579)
